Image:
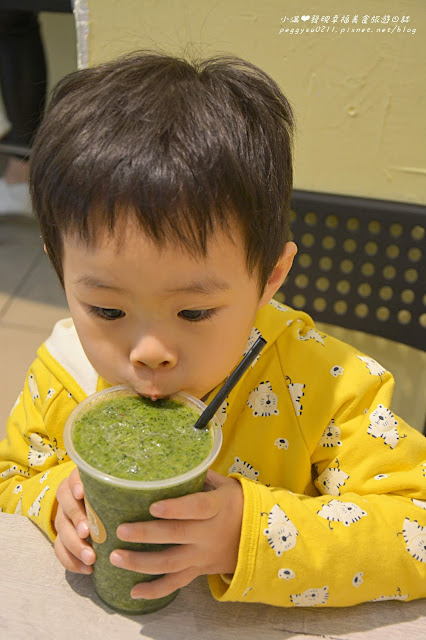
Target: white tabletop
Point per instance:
(39, 600)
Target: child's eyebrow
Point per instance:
(90, 281)
(207, 286)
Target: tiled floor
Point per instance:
(31, 301)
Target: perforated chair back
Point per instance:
(360, 265)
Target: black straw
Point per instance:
(224, 391)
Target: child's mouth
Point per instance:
(153, 396)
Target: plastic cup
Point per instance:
(111, 501)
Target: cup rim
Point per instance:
(140, 484)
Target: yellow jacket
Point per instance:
(334, 483)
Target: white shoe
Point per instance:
(15, 198)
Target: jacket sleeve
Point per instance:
(363, 536)
(31, 463)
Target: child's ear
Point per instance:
(279, 273)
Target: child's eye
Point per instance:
(196, 315)
(107, 314)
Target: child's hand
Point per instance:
(71, 546)
(206, 528)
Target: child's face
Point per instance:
(159, 319)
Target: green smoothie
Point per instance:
(131, 452)
(139, 439)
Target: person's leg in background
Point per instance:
(23, 88)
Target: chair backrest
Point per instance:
(360, 265)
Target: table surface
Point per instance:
(39, 599)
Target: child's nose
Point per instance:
(153, 353)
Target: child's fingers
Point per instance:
(165, 585)
(161, 531)
(73, 509)
(78, 551)
(172, 560)
(69, 560)
(76, 485)
(195, 506)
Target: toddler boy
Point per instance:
(163, 192)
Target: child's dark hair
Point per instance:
(184, 145)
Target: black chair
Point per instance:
(360, 265)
